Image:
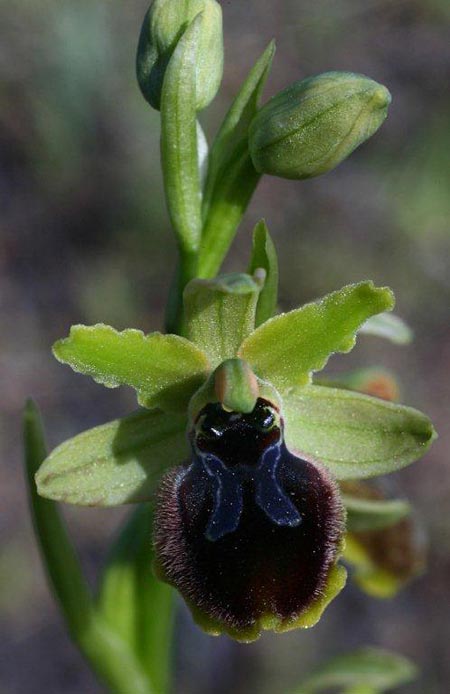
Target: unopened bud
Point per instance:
(313, 125)
(163, 26)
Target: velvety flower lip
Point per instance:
(247, 531)
(239, 445)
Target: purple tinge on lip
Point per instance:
(246, 529)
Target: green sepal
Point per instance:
(309, 618)
(289, 347)
(373, 514)
(108, 655)
(232, 178)
(116, 463)
(264, 256)
(165, 370)
(138, 607)
(234, 128)
(179, 146)
(367, 667)
(220, 313)
(389, 326)
(354, 435)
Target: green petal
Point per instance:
(220, 313)
(264, 256)
(370, 667)
(116, 463)
(354, 435)
(287, 348)
(389, 326)
(373, 514)
(164, 369)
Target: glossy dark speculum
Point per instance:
(246, 529)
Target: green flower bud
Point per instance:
(313, 125)
(164, 24)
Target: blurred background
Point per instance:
(85, 238)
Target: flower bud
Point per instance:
(163, 25)
(313, 125)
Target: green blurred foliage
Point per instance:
(84, 237)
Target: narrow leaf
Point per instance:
(220, 313)
(237, 121)
(165, 370)
(59, 556)
(115, 463)
(390, 326)
(179, 148)
(232, 178)
(287, 348)
(372, 667)
(264, 256)
(373, 514)
(354, 435)
(232, 194)
(134, 603)
(106, 652)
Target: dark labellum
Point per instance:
(246, 530)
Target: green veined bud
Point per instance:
(163, 25)
(313, 125)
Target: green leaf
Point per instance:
(373, 514)
(134, 603)
(287, 348)
(220, 313)
(390, 326)
(106, 652)
(354, 435)
(371, 667)
(179, 148)
(61, 561)
(234, 128)
(165, 370)
(232, 195)
(116, 463)
(264, 256)
(232, 178)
